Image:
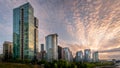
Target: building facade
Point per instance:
(42, 53)
(87, 55)
(52, 47)
(35, 37)
(79, 56)
(95, 56)
(67, 54)
(60, 52)
(7, 50)
(25, 32)
(42, 47)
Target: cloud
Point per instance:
(80, 24)
(94, 25)
(109, 56)
(110, 50)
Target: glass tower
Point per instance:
(52, 47)
(24, 35)
(95, 56)
(87, 55)
(79, 56)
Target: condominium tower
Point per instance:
(67, 54)
(87, 55)
(79, 56)
(52, 47)
(95, 56)
(25, 32)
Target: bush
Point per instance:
(42, 62)
(73, 65)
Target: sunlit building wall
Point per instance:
(52, 47)
(24, 41)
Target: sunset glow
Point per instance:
(80, 24)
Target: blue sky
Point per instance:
(80, 24)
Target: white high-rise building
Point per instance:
(52, 47)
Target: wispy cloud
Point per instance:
(110, 50)
(80, 24)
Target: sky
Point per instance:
(80, 24)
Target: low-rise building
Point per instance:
(7, 50)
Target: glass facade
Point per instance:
(79, 56)
(95, 57)
(87, 55)
(23, 32)
(52, 47)
(67, 54)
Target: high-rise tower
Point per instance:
(79, 56)
(24, 32)
(87, 55)
(95, 56)
(52, 47)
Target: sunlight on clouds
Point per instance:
(96, 24)
(80, 24)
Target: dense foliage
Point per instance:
(65, 64)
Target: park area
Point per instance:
(17, 65)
